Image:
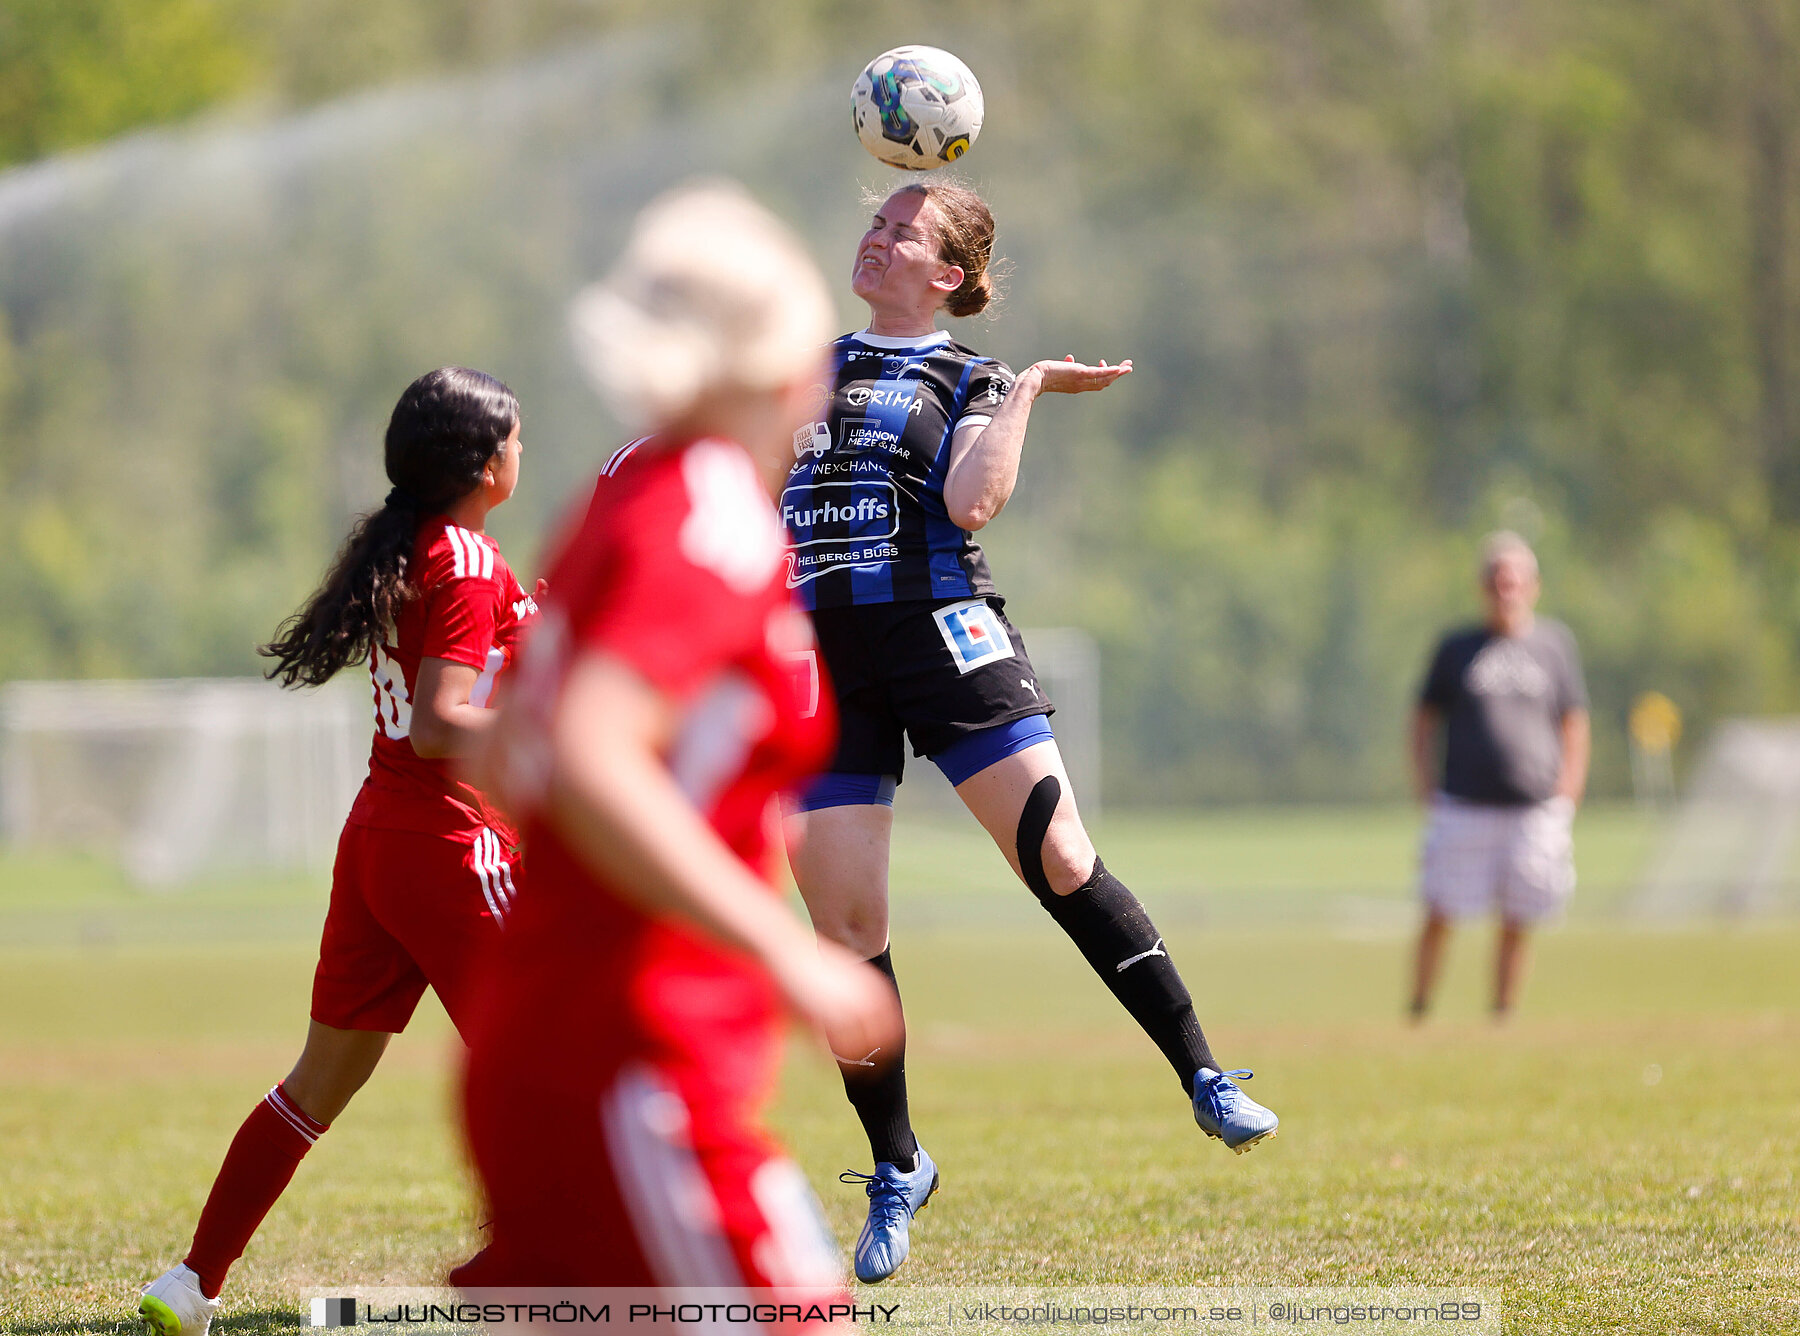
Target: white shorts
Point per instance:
(1480, 857)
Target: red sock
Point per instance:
(261, 1161)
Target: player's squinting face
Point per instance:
(898, 259)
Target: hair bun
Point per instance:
(973, 296)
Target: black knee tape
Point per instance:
(1034, 826)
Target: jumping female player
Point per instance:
(918, 447)
(426, 871)
(631, 1032)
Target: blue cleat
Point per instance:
(895, 1197)
(1227, 1113)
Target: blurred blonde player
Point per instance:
(632, 1029)
(1509, 700)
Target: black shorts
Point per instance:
(931, 672)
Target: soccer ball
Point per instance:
(916, 107)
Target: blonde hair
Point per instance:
(711, 293)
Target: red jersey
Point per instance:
(468, 609)
(678, 568)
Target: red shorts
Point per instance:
(624, 1166)
(409, 909)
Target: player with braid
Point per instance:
(915, 450)
(427, 871)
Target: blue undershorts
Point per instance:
(962, 760)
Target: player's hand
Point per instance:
(846, 999)
(1071, 377)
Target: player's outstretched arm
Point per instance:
(984, 460)
(613, 799)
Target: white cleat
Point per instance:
(173, 1305)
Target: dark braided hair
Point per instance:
(446, 428)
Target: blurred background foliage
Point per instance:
(1393, 272)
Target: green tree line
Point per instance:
(1393, 272)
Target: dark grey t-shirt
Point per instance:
(1503, 700)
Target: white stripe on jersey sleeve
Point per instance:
(472, 554)
(481, 556)
(457, 555)
(619, 456)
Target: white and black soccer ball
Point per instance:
(916, 107)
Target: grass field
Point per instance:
(1621, 1158)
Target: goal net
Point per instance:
(1729, 848)
(180, 779)
(183, 779)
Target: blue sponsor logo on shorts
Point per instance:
(973, 634)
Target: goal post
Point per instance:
(1729, 847)
(178, 779)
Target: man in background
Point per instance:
(1500, 758)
